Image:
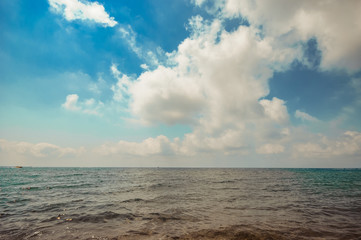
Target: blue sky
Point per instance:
(182, 83)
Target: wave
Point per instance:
(133, 200)
(102, 217)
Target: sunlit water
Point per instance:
(117, 203)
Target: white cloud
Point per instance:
(82, 10)
(152, 57)
(160, 96)
(305, 116)
(98, 86)
(275, 109)
(71, 102)
(313, 150)
(195, 84)
(227, 142)
(335, 24)
(89, 106)
(129, 36)
(214, 81)
(40, 150)
(150, 146)
(270, 149)
(198, 2)
(121, 88)
(349, 144)
(144, 66)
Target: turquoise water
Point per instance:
(136, 203)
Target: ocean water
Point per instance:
(157, 203)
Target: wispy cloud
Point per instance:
(89, 106)
(82, 10)
(121, 88)
(129, 36)
(305, 116)
(152, 58)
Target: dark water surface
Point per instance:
(117, 203)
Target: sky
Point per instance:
(182, 83)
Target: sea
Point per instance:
(179, 203)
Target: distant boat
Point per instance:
(19, 166)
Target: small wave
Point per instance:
(175, 215)
(29, 188)
(18, 183)
(232, 233)
(141, 232)
(159, 185)
(4, 215)
(133, 200)
(226, 188)
(84, 185)
(49, 207)
(102, 217)
(69, 175)
(14, 200)
(164, 217)
(226, 181)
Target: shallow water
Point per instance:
(136, 203)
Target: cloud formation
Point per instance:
(314, 152)
(216, 81)
(335, 24)
(89, 106)
(160, 96)
(270, 148)
(151, 57)
(39, 150)
(305, 116)
(121, 88)
(349, 144)
(82, 10)
(221, 81)
(158, 146)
